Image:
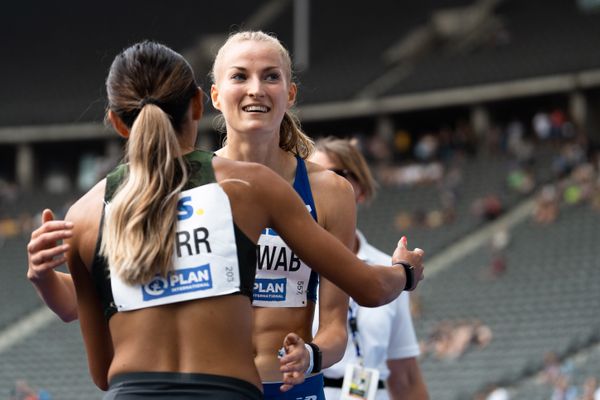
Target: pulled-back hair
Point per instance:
(149, 88)
(291, 136)
(346, 152)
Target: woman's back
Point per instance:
(157, 331)
(210, 336)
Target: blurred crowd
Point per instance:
(23, 391)
(546, 155)
(438, 160)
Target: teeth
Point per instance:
(256, 108)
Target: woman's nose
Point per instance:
(255, 88)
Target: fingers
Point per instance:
(414, 258)
(51, 226)
(48, 239)
(47, 215)
(295, 354)
(294, 363)
(44, 250)
(403, 243)
(291, 379)
(49, 256)
(291, 339)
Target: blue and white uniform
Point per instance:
(282, 279)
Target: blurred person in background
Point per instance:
(590, 389)
(253, 90)
(382, 338)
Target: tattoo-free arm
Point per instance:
(44, 254)
(405, 381)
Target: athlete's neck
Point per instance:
(277, 159)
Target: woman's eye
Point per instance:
(238, 77)
(273, 76)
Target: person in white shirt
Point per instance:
(381, 338)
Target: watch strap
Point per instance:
(409, 272)
(317, 358)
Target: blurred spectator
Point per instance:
(546, 205)
(515, 134)
(434, 219)
(557, 120)
(520, 180)
(572, 194)
(498, 393)
(403, 221)
(402, 142)
(570, 155)
(564, 389)
(22, 391)
(379, 150)
(411, 174)
(488, 207)
(551, 370)
(449, 340)
(541, 125)
(465, 139)
(445, 145)
(499, 243)
(590, 391)
(426, 147)
(584, 176)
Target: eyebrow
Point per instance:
(264, 69)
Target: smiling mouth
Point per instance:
(256, 108)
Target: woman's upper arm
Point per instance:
(94, 327)
(337, 214)
(323, 252)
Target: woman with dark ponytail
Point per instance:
(162, 253)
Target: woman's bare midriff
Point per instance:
(211, 336)
(271, 325)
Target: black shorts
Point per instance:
(180, 386)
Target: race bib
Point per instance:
(205, 255)
(281, 277)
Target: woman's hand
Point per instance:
(44, 253)
(294, 363)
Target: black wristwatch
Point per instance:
(409, 271)
(317, 358)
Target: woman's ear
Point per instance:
(197, 105)
(118, 124)
(360, 196)
(214, 97)
(292, 94)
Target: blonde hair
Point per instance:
(291, 136)
(346, 152)
(149, 88)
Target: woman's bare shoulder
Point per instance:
(326, 184)
(88, 206)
